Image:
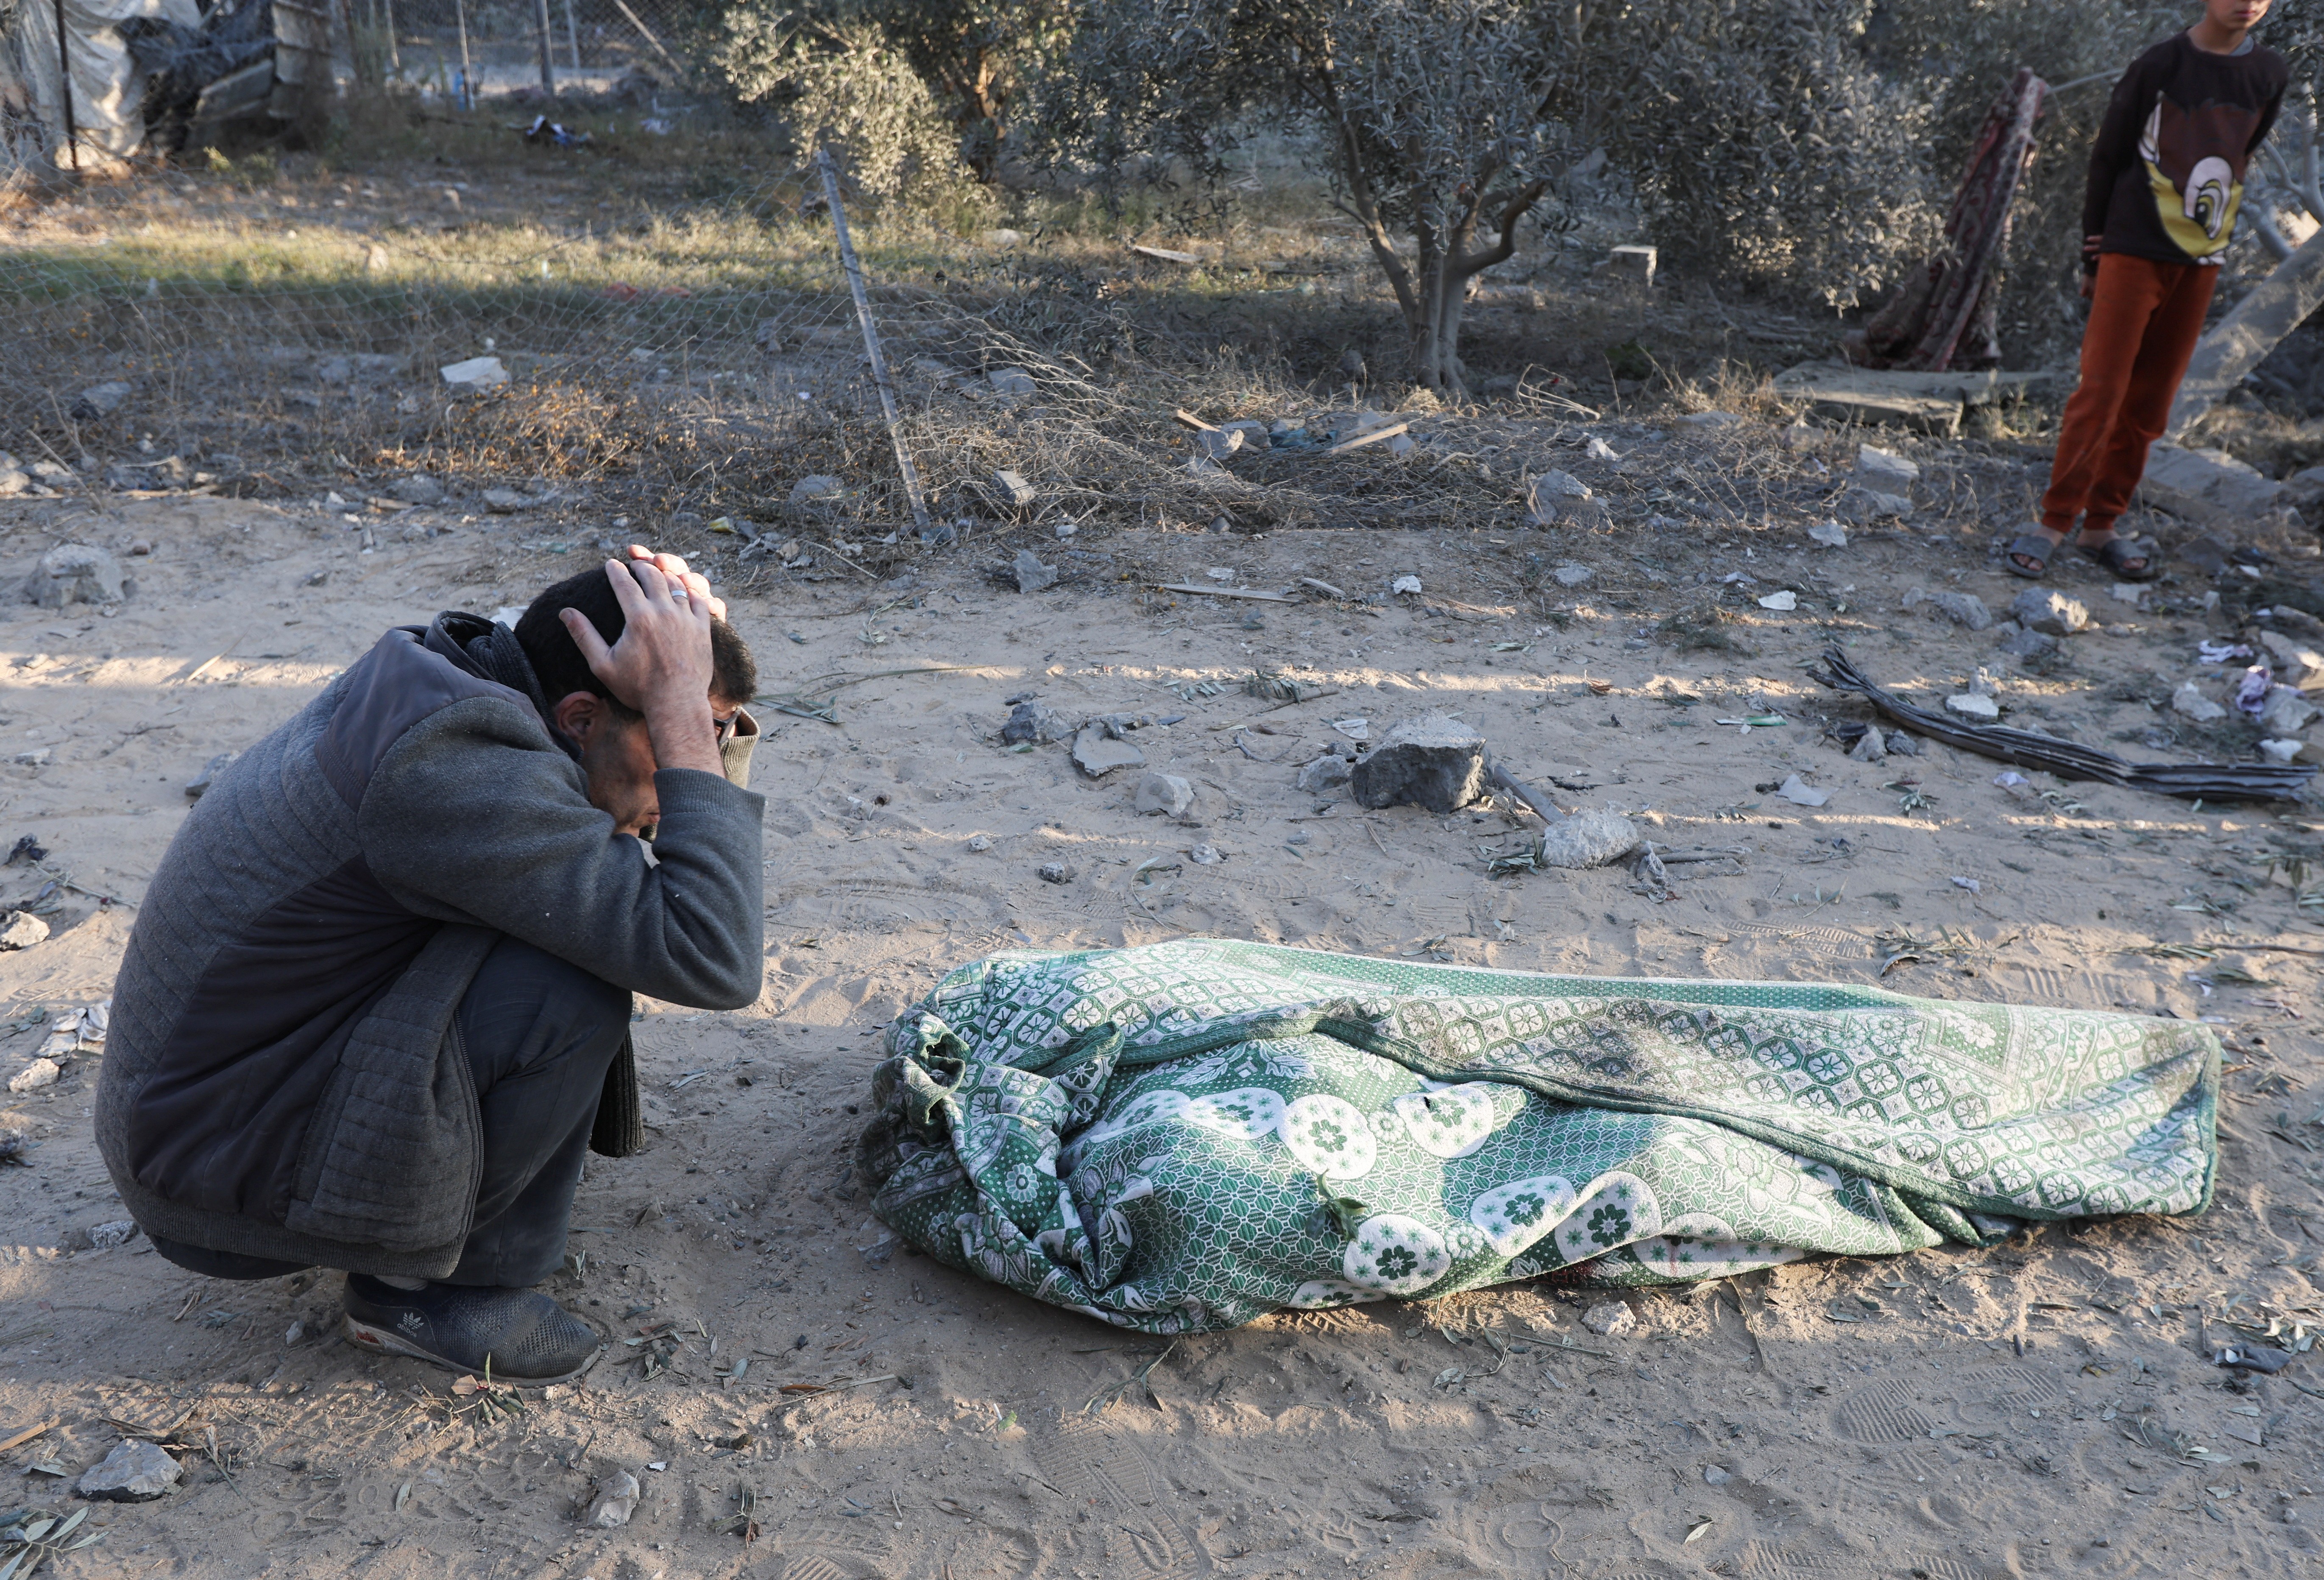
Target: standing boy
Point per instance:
(2166, 179)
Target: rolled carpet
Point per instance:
(1189, 1135)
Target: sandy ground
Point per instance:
(2030, 1409)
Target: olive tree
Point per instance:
(1427, 116)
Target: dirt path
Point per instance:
(2030, 1409)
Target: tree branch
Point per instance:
(1514, 210)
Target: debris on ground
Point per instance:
(75, 573)
(1800, 793)
(1610, 1318)
(2070, 759)
(22, 930)
(1031, 575)
(477, 373)
(136, 1472)
(1430, 760)
(615, 1499)
(1164, 794)
(1585, 840)
(1963, 609)
(2050, 612)
(1327, 773)
(1034, 724)
(2190, 702)
(1054, 872)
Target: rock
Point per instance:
(1800, 436)
(1973, 706)
(1405, 584)
(1869, 748)
(2286, 712)
(1862, 504)
(1716, 1475)
(1551, 496)
(201, 782)
(1218, 443)
(1611, 1319)
(2296, 662)
(1830, 534)
(1166, 794)
(1800, 793)
(1097, 753)
(22, 930)
(1884, 471)
(75, 573)
(1203, 856)
(136, 1472)
(39, 1073)
(1782, 603)
(2206, 484)
(1054, 872)
(2286, 752)
(1327, 773)
(1587, 839)
(38, 757)
(1030, 722)
(2050, 612)
(2127, 592)
(1032, 576)
(1013, 490)
(478, 372)
(2189, 701)
(505, 501)
(1572, 576)
(615, 1500)
(418, 488)
(1965, 609)
(101, 400)
(2021, 643)
(12, 481)
(1011, 381)
(104, 1236)
(820, 485)
(1901, 744)
(1985, 683)
(980, 843)
(1428, 761)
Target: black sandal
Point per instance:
(2034, 547)
(2116, 549)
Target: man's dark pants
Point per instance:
(539, 1034)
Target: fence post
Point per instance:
(64, 85)
(548, 58)
(467, 67)
(573, 35)
(911, 473)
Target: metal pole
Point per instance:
(64, 86)
(872, 339)
(572, 35)
(548, 49)
(394, 49)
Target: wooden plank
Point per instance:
(1193, 422)
(1222, 592)
(29, 1433)
(1361, 439)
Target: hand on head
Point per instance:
(662, 658)
(696, 584)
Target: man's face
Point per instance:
(617, 757)
(2235, 16)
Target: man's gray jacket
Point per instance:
(283, 1077)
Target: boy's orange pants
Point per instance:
(2145, 320)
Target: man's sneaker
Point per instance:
(527, 1338)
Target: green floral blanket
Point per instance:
(1189, 1135)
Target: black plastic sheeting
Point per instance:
(2191, 782)
(180, 62)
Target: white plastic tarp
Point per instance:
(107, 87)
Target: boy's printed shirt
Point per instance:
(2167, 171)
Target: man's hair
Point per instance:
(556, 657)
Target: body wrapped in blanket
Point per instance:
(1189, 1135)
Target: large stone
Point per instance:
(1552, 496)
(1032, 576)
(2296, 662)
(1587, 839)
(1164, 794)
(418, 488)
(1884, 471)
(1974, 706)
(1862, 504)
(2050, 612)
(2286, 712)
(75, 573)
(22, 930)
(1965, 609)
(616, 1499)
(1429, 761)
(136, 1472)
(1097, 753)
(1031, 723)
(1327, 773)
(2208, 485)
(2021, 643)
(2190, 702)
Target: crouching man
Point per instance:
(376, 1005)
